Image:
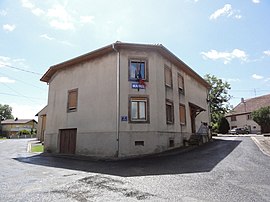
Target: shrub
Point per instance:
(223, 126)
(24, 132)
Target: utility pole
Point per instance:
(255, 92)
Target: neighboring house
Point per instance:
(123, 100)
(12, 127)
(41, 124)
(240, 116)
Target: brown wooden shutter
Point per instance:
(168, 76)
(180, 82)
(72, 99)
(182, 113)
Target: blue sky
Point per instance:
(229, 39)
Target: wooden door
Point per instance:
(68, 141)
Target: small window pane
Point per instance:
(142, 69)
(134, 109)
(132, 70)
(142, 110)
(137, 70)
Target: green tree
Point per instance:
(5, 112)
(262, 117)
(223, 126)
(218, 98)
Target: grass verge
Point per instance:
(37, 148)
(3, 138)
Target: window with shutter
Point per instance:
(181, 84)
(169, 112)
(182, 114)
(72, 100)
(168, 76)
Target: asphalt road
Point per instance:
(228, 169)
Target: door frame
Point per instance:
(71, 140)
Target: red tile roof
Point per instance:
(251, 105)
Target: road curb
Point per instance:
(260, 146)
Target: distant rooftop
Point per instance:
(250, 105)
(17, 121)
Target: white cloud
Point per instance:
(59, 18)
(45, 36)
(238, 16)
(27, 4)
(3, 12)
(257, 77)
(4, 61)
(6, 80)
(36, 11)
(267, 80)
(225, 56)
(267, 52)
(86, 19)
(8, 27)
(16, 62)
(256, 1)
(227, 11)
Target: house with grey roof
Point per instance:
(240, 116)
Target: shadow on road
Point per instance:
(201, 159)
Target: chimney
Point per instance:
(242, 100)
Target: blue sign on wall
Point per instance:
(124, 118)
(137, 86)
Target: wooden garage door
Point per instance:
(68, 141)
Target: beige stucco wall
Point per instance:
(157, 133)
(95, 118)
(42, 113)
(242, 121)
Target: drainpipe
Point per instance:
(117, 97)
(209, 112)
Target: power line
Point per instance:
(20, 96)
(23, 70)
(21, 81)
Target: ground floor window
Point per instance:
(169, 112)
(139, 110)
